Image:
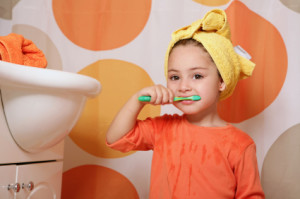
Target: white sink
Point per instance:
(42, 105)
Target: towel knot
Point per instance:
(213, 22)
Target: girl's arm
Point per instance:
(126, 118)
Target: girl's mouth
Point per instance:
(186, 102)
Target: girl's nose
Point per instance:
(184, 86)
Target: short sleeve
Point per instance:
(247, 175)
(141, 137)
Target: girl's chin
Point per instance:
(188, 110)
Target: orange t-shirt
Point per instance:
(191, 161)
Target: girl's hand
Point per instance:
(126, 118)
(159, 94)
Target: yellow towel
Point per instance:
(16, 49)
(213, 32)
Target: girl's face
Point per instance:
(191, 71)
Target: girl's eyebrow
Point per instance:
(194, 68)
(199, 67)
(172, 70)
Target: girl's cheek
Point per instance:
(172, 89)
(170, 85)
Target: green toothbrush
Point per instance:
(193, 97)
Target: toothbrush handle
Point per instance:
(148, 98)
(145, 98)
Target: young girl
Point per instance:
(197, 154)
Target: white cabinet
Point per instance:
(7, 176)
(34, 180)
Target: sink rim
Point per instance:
(42, 78)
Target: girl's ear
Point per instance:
(222, 85)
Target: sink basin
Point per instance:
(41, 106)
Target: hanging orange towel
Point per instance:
(16, 49)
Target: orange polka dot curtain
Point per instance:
(122, 44)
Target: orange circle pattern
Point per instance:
(120, 80)
(93, 182)
(265, 44)
(101, 25)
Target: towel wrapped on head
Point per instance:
(16, 49)
(213, 32)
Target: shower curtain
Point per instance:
(122, 44)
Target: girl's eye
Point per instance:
(198, 76)
(174, 77)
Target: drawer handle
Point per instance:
(15, 187)
(28, 186)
